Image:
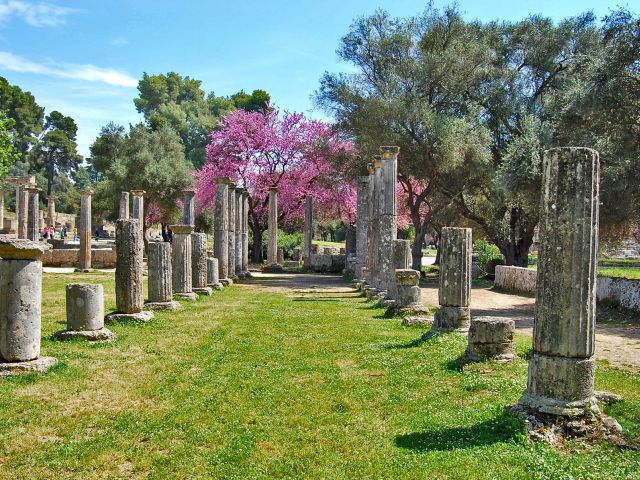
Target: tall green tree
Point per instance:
(8, 153)
(27, 115)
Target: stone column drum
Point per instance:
(85, 314)
(362, 226)
(189, 211)
(562, 366)
(20, 307)
(231, 233)
(199, 264)
(212, 274)
(491, 338)
(129, 280)
(245, 233)
(308, 231)
(160, 281)
(181, 262)
(221, 238)
(51, 210)
(239, 226)
(33, 222)
(84, 231)
(138, 208)
(455, 280)
(124, 206)
(402, 254)
(407, 299)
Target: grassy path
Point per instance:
(255, 383)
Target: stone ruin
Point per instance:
(85, 314)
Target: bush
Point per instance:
(286, 241)
(488, 254)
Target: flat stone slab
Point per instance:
(172, 305)
(216, 286)
(410, 321)
(207, 291)
(186, 296)
(275, 268)
(41, 365)
(15, 249)
(102, 335)
(143, 317)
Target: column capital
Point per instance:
(189, 192)
(273, 189)
(182, 229)
(53, 196)
(138, 193)
(87, 191)
(377, 162)
(223, 180)
(388, 152)
(31, 188)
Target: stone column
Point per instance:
(455, 280)
(84, 231)
(33, 223)
(124, 206)
(138, 208)
(129, 280)
(272, 251)
(51, 210)
(213, 280)
(221, 236)
(362, 226)
(199, 264)
(402, 254)
(371, 254)
(160, 282)
(23, 210)
(308, 231)
(189, 211)
(239, 226)
(407, 299)
(1, 209)
(181, 262)
(245, 233)
(375, 284)
(388, 219)
(231, 233)
(20, 307)
(85, 314)
(562, 365)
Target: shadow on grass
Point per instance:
(425, 338)
(333, 300)
(503, 428)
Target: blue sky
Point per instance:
(84, 57)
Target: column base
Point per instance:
(226, 281)
(40, 365)
(216, 286)
(101, 335)
(170, 305)
(206, 291)
(410, 321)
(185, 295)
(247, 274)
(273, 268)
(452, 319)
(115, 317)
(412, 310)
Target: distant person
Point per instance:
(63, 232)
(75, 234)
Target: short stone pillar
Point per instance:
(280, 255)
(189, 210)
(199, 264)
(124, 206)
(562, 365)
(212, 274)
(407, 299)
(272, 251)
(245, 233)
(308, 231)
(20, 307)
(129, 280)
(455, 280)
(362, 226)
(138, 209)
(491, 338)
(51, 210)
(84, 231)
(239, 226)
(221, 222)
(33, 217)
(181, 262)
(160, 281)
(85, 314)
(231, 233)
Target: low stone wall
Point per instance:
(68, 257)
(516, 279)
(328, 263)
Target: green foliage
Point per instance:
(8, 153)
(25, 112)
(286, 241)
(486, 252)
(258, 101)
(205, 221)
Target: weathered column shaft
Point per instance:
(232, 231)
(199, 260)
(245, 232)
(371, 253)
(51, 210)
(272, 251)
(362, 226)
(189, 211)
(402, 254)
(129, 252)
(33, 225)
(377, 229)
(85, 306)
(23, 212)
(213, 279)
(138, 208)
(221, 240)
(84, 231)
(562, 365)
(239, 226)
(124, 206)
(160, 282)
(181, 260)
(388, 217)
(308, 231)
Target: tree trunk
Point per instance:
(416, 248)
(256, 251)
(516, 254)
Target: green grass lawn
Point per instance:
(323, 243)
(251, 383)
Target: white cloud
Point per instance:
(87, 72)
(35, 14)
(119, 42)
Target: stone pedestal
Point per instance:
(199, 264)
(407, 300)
(562, 366)
(129, 280)
(245, 234)
(20, 307)
(33, 217)
(51, 210)
(308, 231)
(212, 274)
(181, 262)
(124, 206)
(160, 281)
(85, 314)
(84, 231)
(138, 209)
(455, 280)
(231, 234)
(221, 236)
(491, 338)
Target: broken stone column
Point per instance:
(160, 281)
(199, 264)
(84, 231)
(20, 307)
(33, 219)
(124, 206)
(308, 231)
(562, 365)
(362, 226)
(51, 210)
(189, 210)
(491, 338)
(232, 231)
(23, 210)
(129, 280)
(407, 300)
(272, 251)
(85, 314)
(212, 274)
(239, 226)
(138, 209)
(388, 220)
(402, 254)
(221, 237)
(245, 233)
(181, 262)
(455, 280)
